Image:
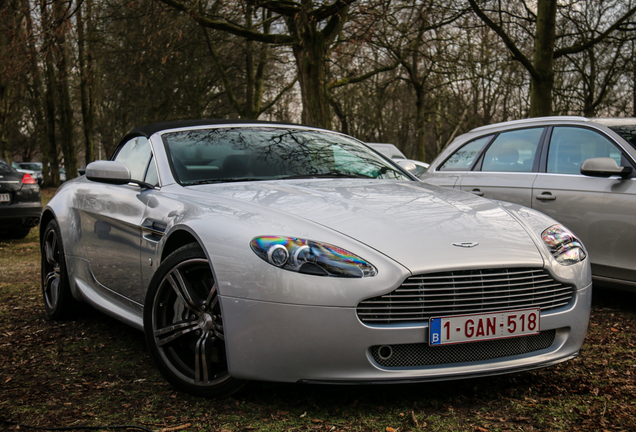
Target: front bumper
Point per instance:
(294, 343)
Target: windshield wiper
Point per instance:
(221, 180)
(325, 175)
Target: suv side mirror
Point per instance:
(604, 167)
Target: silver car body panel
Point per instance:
(601, 211)
(512, 187)
(286, 326)
(336, 344)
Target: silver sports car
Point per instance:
(264, 251)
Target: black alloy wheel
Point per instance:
(59, 302)
(184, 326)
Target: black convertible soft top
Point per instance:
(148, 130)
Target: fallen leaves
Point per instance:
(176, 428)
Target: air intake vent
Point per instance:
(414, 355)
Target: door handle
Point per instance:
(477, 192)
(546, 196)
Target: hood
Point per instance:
(418, 225)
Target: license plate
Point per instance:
(5, 197)
(478, 327)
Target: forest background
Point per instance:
(76, 75)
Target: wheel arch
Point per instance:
(177, 239)
(47, 216)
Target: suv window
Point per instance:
(513, 151)
(570, 146)
(627, 132)
(464, 158)
(136, 155)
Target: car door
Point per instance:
(601, 211)
(458, 164)
(508, 167)
(111, 217)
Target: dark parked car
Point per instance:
(20, 203)
(580, 171)
(24, 169)
(36, 167)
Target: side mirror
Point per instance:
(407, 165)
(108, 172)
(604, 167)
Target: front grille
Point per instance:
(413, 355)
(463, 292)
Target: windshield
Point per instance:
(242, 154)
(30, 166)
(627, 132)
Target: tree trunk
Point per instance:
(342, 116)
(4, 104)
(4, 142)
(51, 144)
(422, 152)
(8, 13)
(249, 67)
(543, 81)
(38, 90)
(86, 83)
(311, 55)
(66, 111)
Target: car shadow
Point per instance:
(612, 298)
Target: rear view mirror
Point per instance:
(108, 172)
(407, 165)
(604, 167)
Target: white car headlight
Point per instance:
(564, 246)
(310, 257)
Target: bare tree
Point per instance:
(62, 16)
(85, 34)
(257, 59)
(516, 21)
(309, 30)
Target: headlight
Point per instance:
(563, 245)
(310, 257)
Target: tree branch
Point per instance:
(286, 8)
(516, 52)
(282, 92)
(334, 25)
(231, 28)
(359, 78)
(226, 82)
(582, 47)
(325, 11)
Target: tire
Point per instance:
(59, 302)
(183, 325)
